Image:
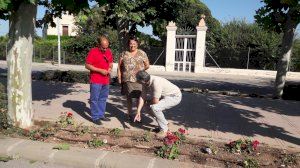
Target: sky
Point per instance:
(223, 10)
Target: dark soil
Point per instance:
(134, 142)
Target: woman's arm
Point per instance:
(146, 64)
(119, 70)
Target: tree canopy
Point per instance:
(275, 13)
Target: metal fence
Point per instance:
(243, 59)
(49, 54)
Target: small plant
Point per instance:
(115, 131)
(289, 159)
(250, 163)
(240, 145)
(95, 143)
(66, 118)
(181, 135)
(170, 148)
(32, 161)
(214, 149)
(63, 146)
(46, 131)
(34, 135)
(169, 152)
(4, 158)
(146, 137)
(81, 130)
(195, 90)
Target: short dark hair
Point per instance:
(133, 38)
(143, 76)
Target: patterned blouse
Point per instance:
(132, 64)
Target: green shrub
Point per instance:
(231, 43)
(4, 120)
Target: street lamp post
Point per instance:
(58, 42)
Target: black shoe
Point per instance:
(156, 130)
(130, 118)
(104, 119)
(97, 122)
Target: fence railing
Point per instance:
(242, 59)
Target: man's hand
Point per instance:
(109, 70)
(103, 72)
(137, 117)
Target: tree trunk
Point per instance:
(283, 64)
(19, 59)
(123, 34)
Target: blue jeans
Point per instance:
(98, 97)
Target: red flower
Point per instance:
(182, 131)
(168, 142)
(69, 114)
(231, 143)
(255, 144)
(170, 138)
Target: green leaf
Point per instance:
(63, 146)
(5, 158)
(4, 4)
(32, 1)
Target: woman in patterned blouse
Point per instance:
(131, 62)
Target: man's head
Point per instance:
(103, 43)
(143, 77)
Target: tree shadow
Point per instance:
(234, 115)
(47, 90)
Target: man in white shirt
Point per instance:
(164, 95)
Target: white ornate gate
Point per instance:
(189, 50)
(185, 53)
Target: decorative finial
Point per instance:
(172, 24)
(202, 21)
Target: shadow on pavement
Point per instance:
(242, 116)
(80, 108)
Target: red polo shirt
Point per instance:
(99, 59)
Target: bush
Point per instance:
(295, 58)
(232, 42)
(46, 49)
(64, 76)
(4, 120)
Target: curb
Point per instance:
(83, 158)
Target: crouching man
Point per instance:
(164, 95)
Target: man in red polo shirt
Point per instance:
(99, 61)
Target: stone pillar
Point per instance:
(200, 45)
(170, 48)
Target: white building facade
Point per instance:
(66, 26)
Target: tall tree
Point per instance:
(192, 10)
(22, 18)
(281, 16)
(126, 15)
